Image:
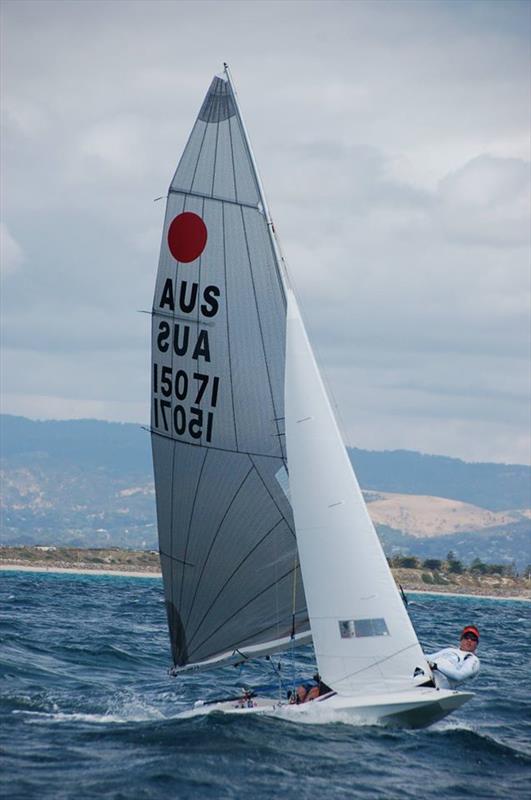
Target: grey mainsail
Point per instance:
(226, 533)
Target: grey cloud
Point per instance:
(392, 140)
(487, 201)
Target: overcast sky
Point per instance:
(393, 142)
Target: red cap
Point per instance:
(470, 629)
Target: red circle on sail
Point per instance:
(187, 237)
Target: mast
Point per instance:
(275, 243)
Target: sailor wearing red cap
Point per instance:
(453, 665)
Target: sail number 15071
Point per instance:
(178, 418)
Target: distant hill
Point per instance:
(85, 442)
(498, 487)
(89, 483)
(125, 446)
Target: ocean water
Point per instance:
(89, 711)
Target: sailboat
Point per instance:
(265, 540)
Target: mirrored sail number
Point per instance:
(177, 418)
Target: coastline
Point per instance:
(80, 571)
(12, 567)
(464, 594)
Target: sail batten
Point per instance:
(226, 530)
(216, 198)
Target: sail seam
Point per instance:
(232, 160)
(228, 329)
(207, 123)
(233, 573)
(192, 512)
(215, 157)
(235, 613)
(266, 487)
(198, 307)
(264, 353)
(183, 154)
(173, 448)
(214, 541)
(171, 518)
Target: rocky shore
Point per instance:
(146, 562)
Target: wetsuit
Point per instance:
(453, 666)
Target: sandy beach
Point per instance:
(79, 571)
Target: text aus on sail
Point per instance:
(184, 395)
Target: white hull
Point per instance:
(416, 709)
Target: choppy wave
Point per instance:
(88, 709)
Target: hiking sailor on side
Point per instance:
(453, 665)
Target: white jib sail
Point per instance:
(364, 641)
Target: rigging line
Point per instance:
(294, 596)
(241, 608)
(266, 487)
(233, 573)
(212, 543)
(245, 658)
(260, 328)
(190, 522)
(404, 598)
(229, 354)
(278, 673)
(293, 613)
(380, 661)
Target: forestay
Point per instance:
(364, 641)
(226, 531)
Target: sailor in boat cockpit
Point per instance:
(307, 691)
(453, 665)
